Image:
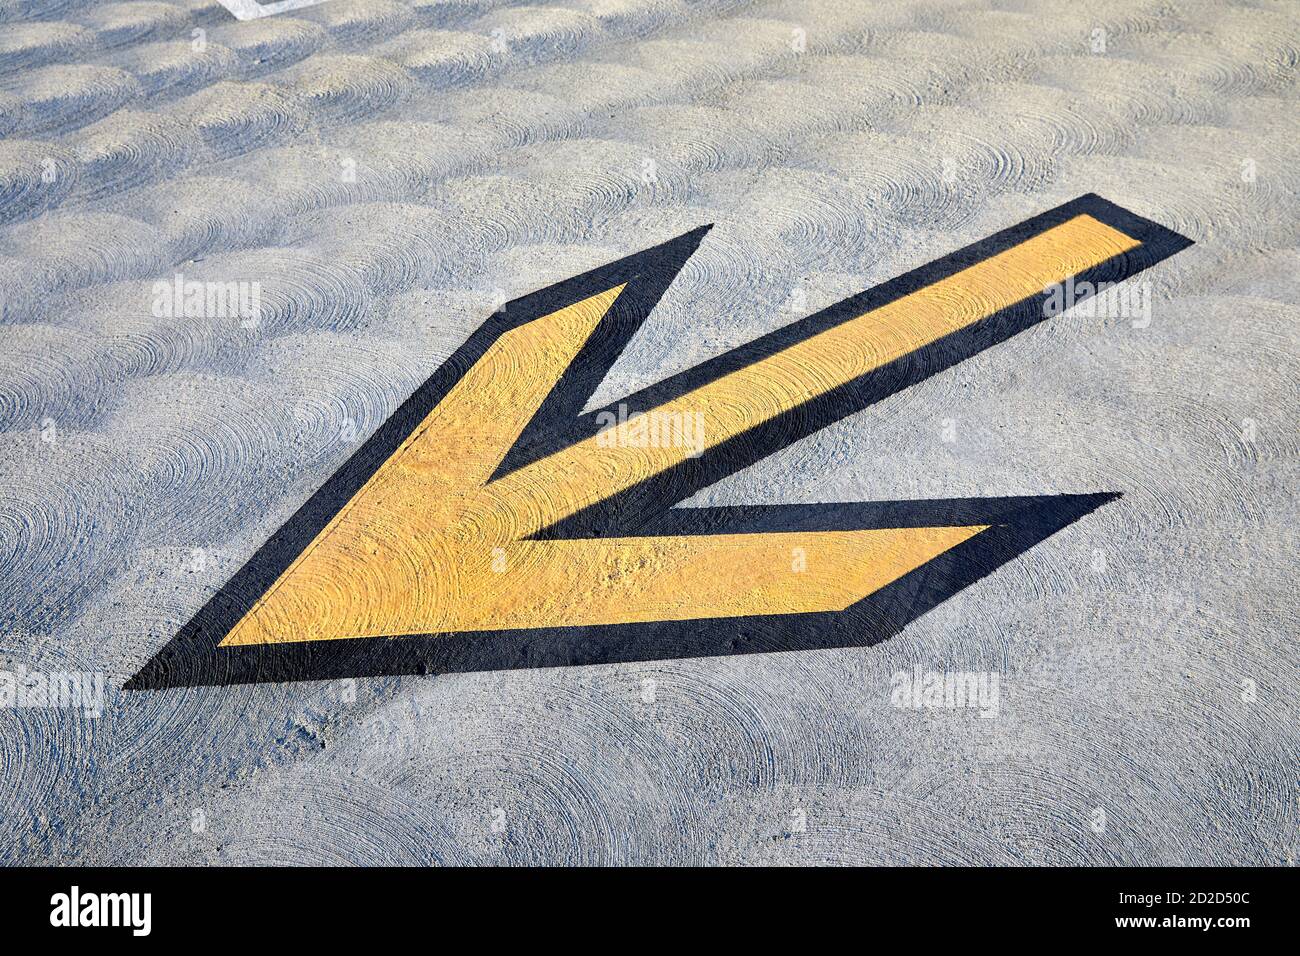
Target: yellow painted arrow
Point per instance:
(431, 544)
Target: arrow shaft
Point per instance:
(563, 483)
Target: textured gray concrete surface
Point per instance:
(387, 170)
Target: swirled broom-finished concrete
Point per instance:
(389, 172)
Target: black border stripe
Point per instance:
(192, 657)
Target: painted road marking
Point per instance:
(430, 545)
(487, 506)
(253, 9)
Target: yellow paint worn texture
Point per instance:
(429, 546)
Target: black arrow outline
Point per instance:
(193, 656)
